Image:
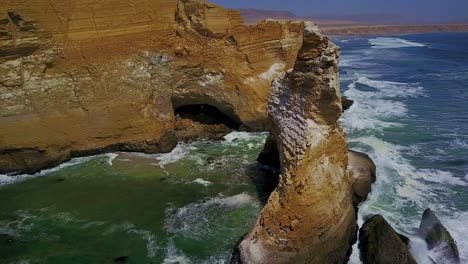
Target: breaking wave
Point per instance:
(392, 43)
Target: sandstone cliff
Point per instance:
(79, 77)
(310, 217)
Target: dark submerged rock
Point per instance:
(379, 243)
(122, 259)
(7, 239)
(346, 103)
(438, 237)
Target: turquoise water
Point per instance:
(189, 206)
(410, 116)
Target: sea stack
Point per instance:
(309, 217)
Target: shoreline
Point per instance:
(369, 30)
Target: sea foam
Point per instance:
(6, 179)
(392, 43)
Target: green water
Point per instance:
(189, 206)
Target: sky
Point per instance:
(423, 11)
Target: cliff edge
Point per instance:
(82, 77)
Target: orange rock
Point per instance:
(82, 76)
(310, 217)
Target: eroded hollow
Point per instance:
(207, 115)
(203, 121)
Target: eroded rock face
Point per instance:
(309, 218)
(379, 243)
(438, 238)
(80, 77)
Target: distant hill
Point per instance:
(252, 16)
(354, 25)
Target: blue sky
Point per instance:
(406, 10)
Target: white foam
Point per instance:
(178, 153)
(111, 157)
(418, 249)
(202, 182)
(192, 219)
(457, 226)
(372, 109)
(438, 176)
(392, 43)
(459, 144)
(173, 256)
(242, 136)
(6, 179)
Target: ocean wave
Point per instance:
(178, 153)
(373, 109)
(6, 179)
(458, 143)
(111, 157)
(456, 225)
(174, 256)
(237, 136)
(389, 89)
(192, 219)
(202, 182)
(392, 43)
(355, 61)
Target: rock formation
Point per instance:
(309, 217)
(438, 238)
(379, 243)
(80, 77)
(363, 175)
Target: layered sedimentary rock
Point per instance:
(79, 77)
(309, 217)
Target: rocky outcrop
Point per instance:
(309, 217)
(438, 238)
(362, 170)
(80, 77)
(379, 243)
(346, 102)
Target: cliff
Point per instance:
(81, 77)
(309, 217)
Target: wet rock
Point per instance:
(211, 160)
(379, 243)
(8, 239)
(122, 259)
(346, 103)
(363, 175)
(438, 238)
(218, 162)
(188, 130)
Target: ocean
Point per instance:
(410, 116)
(192, 205)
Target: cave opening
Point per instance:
(206, 115)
